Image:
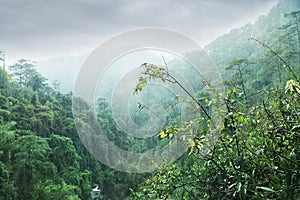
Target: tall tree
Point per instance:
(292, 31)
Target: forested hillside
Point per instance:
(256, 155)
(41, 154)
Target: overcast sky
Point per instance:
(39, 30)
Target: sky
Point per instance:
(40, 30)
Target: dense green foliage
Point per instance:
(256, 155)
(41, 155)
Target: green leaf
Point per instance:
(206, 100)
(239, 185)
(265, 188)
(234, 89)
(292, 86)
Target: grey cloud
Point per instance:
(55, 27)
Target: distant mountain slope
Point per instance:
(236, 44)
(62, 69)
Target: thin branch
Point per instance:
(190, 95)
(165, 63)
(243, 85)
(276, 55)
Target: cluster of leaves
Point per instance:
(167, 132)
(152, 72)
